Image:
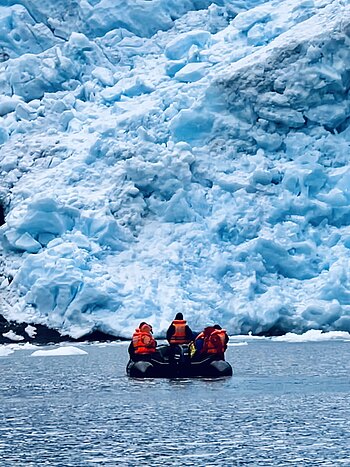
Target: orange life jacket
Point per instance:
(179, 336)
(205, 334)
(143, 341)
(215, 343)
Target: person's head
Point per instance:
(208, 330)
(179, 316)
(217, 326)
(144, 327)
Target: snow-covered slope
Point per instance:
(164, 156)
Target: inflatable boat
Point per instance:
(170, 362)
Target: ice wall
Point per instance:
(203, 168)
(95, 18)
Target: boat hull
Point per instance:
(161, 365)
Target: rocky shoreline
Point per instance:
(12, 332)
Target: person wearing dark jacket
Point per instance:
(179, 332)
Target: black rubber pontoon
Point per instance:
(168, 362)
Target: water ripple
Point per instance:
(279, 409)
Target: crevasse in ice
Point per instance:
(164, 156)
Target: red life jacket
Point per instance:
(204, 335)
(143, 341)
(179, 336)
(215, 343)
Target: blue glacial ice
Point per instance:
(167, 156)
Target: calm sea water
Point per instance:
(286, 405)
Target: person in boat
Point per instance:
(143, 345)
(179, 331)
(212, 341)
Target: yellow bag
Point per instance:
(191, 349)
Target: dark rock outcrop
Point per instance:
(41, 334)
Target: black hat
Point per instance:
(179, 316)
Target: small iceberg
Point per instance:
(60, 352)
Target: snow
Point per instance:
(169, 156)
(59, 352)
(13, 336)
(31, 331)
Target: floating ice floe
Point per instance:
(60, 352)
(5, 351)
(313, 335)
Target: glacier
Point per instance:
(162, 156)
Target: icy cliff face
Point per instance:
(203, 168)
